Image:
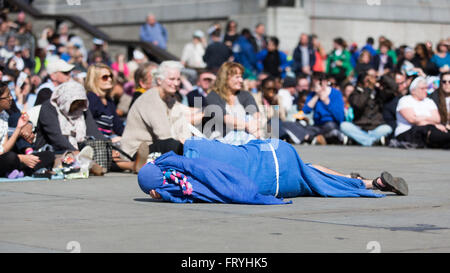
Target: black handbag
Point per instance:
(103, 151)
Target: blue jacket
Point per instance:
(156, 33)
(334, 111)
(245, 54)
(283, 61)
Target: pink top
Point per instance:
(115, 67)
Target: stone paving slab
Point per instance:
(111, 214)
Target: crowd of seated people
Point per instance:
(56, 94)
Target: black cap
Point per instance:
(289, 82)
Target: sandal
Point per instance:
(393, 184)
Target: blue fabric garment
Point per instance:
(283, 61)
(222, 173)
(245, 54)
(440, 62)
(212, 181)
(296, 178)
(156, 33)
(334, 111)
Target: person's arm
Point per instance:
(91, 126)
(49, 126)
(143, 35)
(358, 99)
(411, 117)
(310, 103)
(336, 106)
(9, 142)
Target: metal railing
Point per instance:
(153, 52)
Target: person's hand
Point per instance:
(155, 195)
(23, 120)
(339, 63)
(116, 139)
(252, 127)
(115, 155)
(306, 70)
(29, 160)
(27, 132)
(441, 128)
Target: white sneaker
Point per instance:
(86, 152)
(345, 140)
(383, 141)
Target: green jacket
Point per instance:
(333, 69)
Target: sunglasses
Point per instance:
(106, 77)
(445, 82)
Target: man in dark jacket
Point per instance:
(390, 107)
(368, 125)
(304, 57)
(216, 53)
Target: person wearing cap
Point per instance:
(98, 51)
(20, 64)
(192, 55)
(58, 73)
(138, 59)
(153, 32)
(418, 119)
(288, 94)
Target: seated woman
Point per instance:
(260, 172)
(327, 104)
(231, 112)
(99, 84)
(65, 122)
(441, 97)
(157, 122)
(418, 119)
(9, 160)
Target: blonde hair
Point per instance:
(227, 70)
(93, 77)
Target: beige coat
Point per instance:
(150, 119)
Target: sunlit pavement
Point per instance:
(112, 214)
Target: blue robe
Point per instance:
(245, 174)
(296, 178)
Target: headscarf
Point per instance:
(180, 179)
(73, 125)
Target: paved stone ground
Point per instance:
(111, 214)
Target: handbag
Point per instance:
(102, 151)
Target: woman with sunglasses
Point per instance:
(99, 84)
(12, 163)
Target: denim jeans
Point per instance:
(365, 138)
